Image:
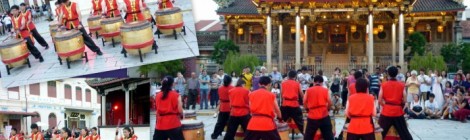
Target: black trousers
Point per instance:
(398, 122)
(344, 97)
(88, 41)
(340, 136)
(296, 114)
(172, 134)
(192, 96)
(38, 37)
(323, 124)
(233, 123)
(262, 135)
(370, 136)
(220, 125)
(32, 49)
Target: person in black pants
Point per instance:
(29, 21)
(240, 111)
(22, 32)
(193, 85)
(291, 92)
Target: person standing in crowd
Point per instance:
(425, 86)
(463, 108)
(432, 109)
(263, 108)
(35, 133)
(290, 94)
(21, 29)
(316, 103)
(111, 8)
(325, 79)
(361, 109)
(204, 81)
(351, 78)
(352, 86)
(277, 92)
(31, 27)
(336, 81)
(180, 84)
(224, 107)
(276, 75)
(375, 82)
(444, 79)
(239, 112)
(94, 134)
(392, 98)
(214, 95)
(255, 80)
(247, 77)
(400, 77)
(193, 88)
(304, 79)
(436, 88)
(220, 75)
(168, 110)
(344, 88)
(448, 88)
(264, 71)
(7, 21)
(413, 84)
(235, 78)
(70, 12)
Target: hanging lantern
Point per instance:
(353, 28)
(292, 30)
(302, 37)
(440, 28)
(411, 30)
(319, 29)
(373, 0)
(380, 28)
(376, 31)
(240, 31)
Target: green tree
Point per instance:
(236, 62)
(417, 42)
(455, 55)
(163, 68)
(222, 48)
(466, 57)
(428, 62)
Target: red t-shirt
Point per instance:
(37, 136)
(167, 110)
(290, 90)
(224, 99)
(95, 137)
(317, 102)
(392, 91)
(262, 110)
(84, 138)
(361, 108)
(239, 101)
(28, 17)
(352, 89)
(19, 137)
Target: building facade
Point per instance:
(71, 102)
(324, 34)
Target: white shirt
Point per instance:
(234, 81)
(304, 80)
(7, 20)
(432, 106)
(276, 91)
(325, 81)
(424, 87)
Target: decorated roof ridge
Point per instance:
(94, 82)
(247, 7)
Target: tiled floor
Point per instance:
(169, 49)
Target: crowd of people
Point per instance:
(255, 100)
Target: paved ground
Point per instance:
(420, 129)
(170, 49)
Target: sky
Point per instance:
(205, 10)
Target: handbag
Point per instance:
(417, 108)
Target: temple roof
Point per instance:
(246, 7)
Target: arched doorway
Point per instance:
(52, 120)
(99, 121)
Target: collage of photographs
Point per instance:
(234, 69)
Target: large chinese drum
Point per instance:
(94, 24)
(169, 20)
(189, 115)
(14, 53)
(137, 36)
(70, 45)
(240, 134)
(110, 28)
(53, 28)
(193, 129)
(377, 131)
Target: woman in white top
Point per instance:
(276, 91)
(436, 88)
(234, 78)
(416, 110)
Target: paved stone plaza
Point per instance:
(50, 69)
(420, 129)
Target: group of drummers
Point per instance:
(68, 14)
(70, 134)
(259, 114)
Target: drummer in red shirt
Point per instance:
(71, 14)
(162, 4)
(352, 86)
(169, 108)
(31, 27)
(58, 6)
(84, 134)
(263, 108)
(35, 134)
(94, 134)
(392, 98)
(20, 26)
(111, 8)
(317, 103)
(224, 107)
(97, 8)
(134, 12)
(65, 134)
(240, 111)
(290, 94)
(14, 136)
(360, 109)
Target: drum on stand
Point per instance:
(240, 134)
(189, 115)
(377, 131)
(193, 129)
(169, 21)
(53, 29)
(70, 46)
(137, 38)
(111, 29)
(14, 53)
(94, 25)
